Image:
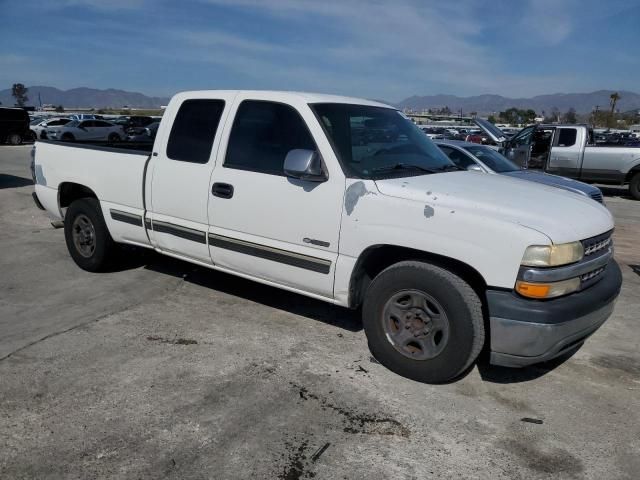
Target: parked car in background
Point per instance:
(472, 156)
(82, 116)
(40, 127)
(570, 151)
(14, 126)
(134, 121)
(87, 130)
(143, 134)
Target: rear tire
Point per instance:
(423, 322)
(14, 139)
(87, 237)
(113, 138)
(68, 137)
(634, 186)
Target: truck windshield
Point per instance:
(492, 159)
(374, 142)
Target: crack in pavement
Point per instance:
(167, 291)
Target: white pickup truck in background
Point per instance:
(345, 200)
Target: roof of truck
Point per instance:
(307, 97)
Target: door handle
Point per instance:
(222, 190)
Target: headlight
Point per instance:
(547, 290)
(553, 255)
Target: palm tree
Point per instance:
(613, 99)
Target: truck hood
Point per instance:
(555, 181)
(558, 214)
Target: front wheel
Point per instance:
(87, 237)
(634, 186)
(423, 322)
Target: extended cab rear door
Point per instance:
(263, 223)
(179, 172)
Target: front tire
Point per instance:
(87, 237)
(634, 186)
(423, 322)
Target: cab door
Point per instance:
(182, 161)
(566, 153)
(263, 223)
(86, 131)
(518, 149)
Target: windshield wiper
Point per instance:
(403, 166)
(449, 168)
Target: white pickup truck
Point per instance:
(345, 200)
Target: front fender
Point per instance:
(492, 247)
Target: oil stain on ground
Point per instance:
(355, 422)
(550, 461)
(622, 363)
(172, 341)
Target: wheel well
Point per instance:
(376, 258)
(68, 192)
(631, 173)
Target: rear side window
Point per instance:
(567, 137)
(13, 115)
(262, 135)
(194, 129)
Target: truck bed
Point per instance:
(115, 175)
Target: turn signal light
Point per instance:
(547, 290)
(533, 290)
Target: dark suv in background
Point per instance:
(14, 126)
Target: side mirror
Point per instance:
(475, 168)
(305, 165)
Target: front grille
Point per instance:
(596, 244)
(585, 277)
(597, 196)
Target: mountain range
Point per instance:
(483, 104)
(487, 104)
(85, 97)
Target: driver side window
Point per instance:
(262, 135)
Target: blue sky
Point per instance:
(385, 50)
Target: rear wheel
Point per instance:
(634, 186)
(67, 137)
(113, 138)
(87, 237)
(423, 322)
(14, 139)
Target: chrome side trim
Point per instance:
(307, 262)
(179, 231)
(126, 217)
